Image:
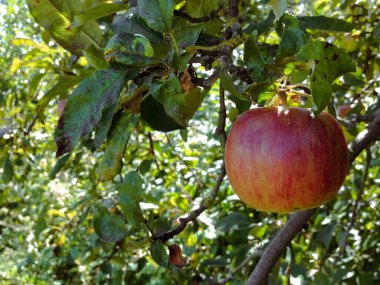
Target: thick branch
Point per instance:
(365, 138)
(277, 246)
(234, 8)
(281, 241)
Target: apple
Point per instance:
(281, 159)
(343, 110)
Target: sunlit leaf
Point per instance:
(279, 7)
(330, 63)
(58, 23)
(200, 8)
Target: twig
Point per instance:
(151, 150)
(115, 249)
(234, 8)
(358, 199)
(208, 82)
(220, 130)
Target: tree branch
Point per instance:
(281, 241)
(208, 82)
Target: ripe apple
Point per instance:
(282, 159)
(343, 110)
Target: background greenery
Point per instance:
(93, 215)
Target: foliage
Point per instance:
(141, 137)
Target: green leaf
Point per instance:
(104, 125)
(326, 23)
(65, 83)
(325, 234)
(158, 14)
(97, 12)
(132, 23)
(376, 31)
(226, 81)
(130, 50)
(95, 57)
(200, 8)
(330, 63)
(130, 192)
(263, 26)
(234, 221)
(85, 106)
(56, 19)
(8, 172)
(34, 82)
(187, 35)
(154, 114)
(292, 37)
(279, 7)
(58, 165)
(159, 253)
(260, 61)
(178, 105)
(111, 164)
(215, 262)
(109, 227)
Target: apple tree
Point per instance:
(114, 120)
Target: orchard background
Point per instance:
(128, 186)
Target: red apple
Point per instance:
(282, 159)
(343, 110)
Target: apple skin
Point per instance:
(282, 159)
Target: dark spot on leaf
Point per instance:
(313, 78)
(325, 76)
(328, 45)
(335, 57)
(316, 61)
